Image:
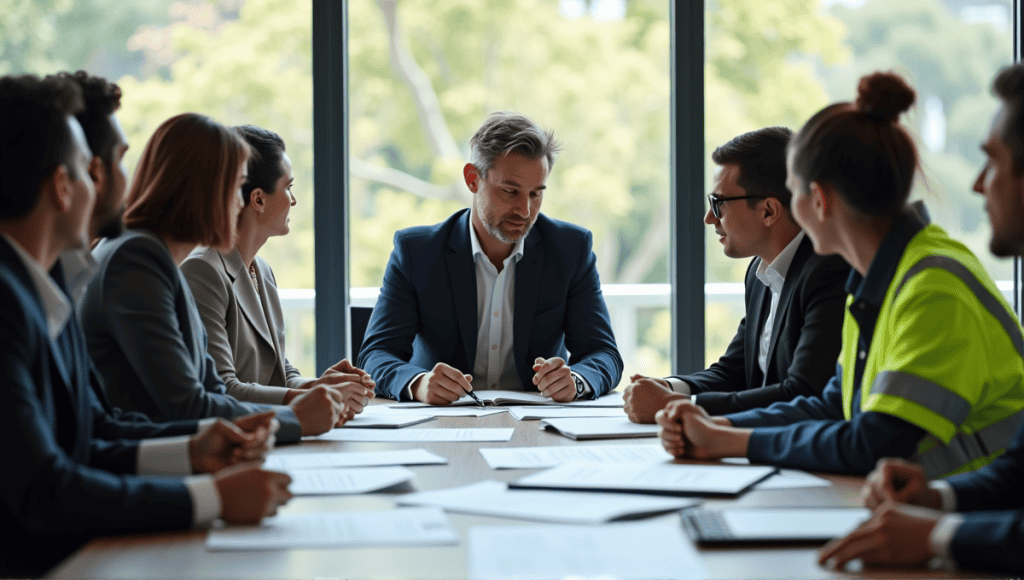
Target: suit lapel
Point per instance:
(249, 301)
(803, 252)
(462, 277)
(527, 287)
(269, 300)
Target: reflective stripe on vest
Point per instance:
(941, 459)
(930, 395)
(982, 293)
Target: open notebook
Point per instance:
(505, 398)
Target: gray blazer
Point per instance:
(245, 329)
(148, 341)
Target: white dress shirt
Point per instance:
(943, 532)
(163, 457)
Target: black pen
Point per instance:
(475, 398)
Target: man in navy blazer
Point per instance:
(496, 296)
(983, 523)
(61, 486)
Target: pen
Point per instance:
(475, 398)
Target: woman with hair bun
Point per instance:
(236, 292)
(931, 368)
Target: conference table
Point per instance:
(182, 554)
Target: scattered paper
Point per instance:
(435, 411)
(419, 435)
(535, 457)
(670, 478)
(624, 551)
(382, 421)
(290, 461)
(532, 413)
(402, 527)
(346, 480)
(790, 478)
(583, 428)
(493, 498)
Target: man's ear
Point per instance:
(772, 211)
(58, 188)
(472, 177)
(99, 176)
(257, 199)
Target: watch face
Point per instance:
(579, 385)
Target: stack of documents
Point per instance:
(288, 461)
(404, 527)
(493, 498)
(582, 428)
(659, 478)
(623, 551)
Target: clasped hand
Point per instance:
(687, 430)
(222, 444)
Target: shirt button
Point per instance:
(497, 313)
(863, 355)
(494, 347)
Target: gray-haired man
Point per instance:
(494, 296)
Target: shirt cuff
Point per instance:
(588, 391)
(947, 496)
(406, 394)
(942, 535)
(205, 499)
(679, 385)
(204, 425)
(164, 456)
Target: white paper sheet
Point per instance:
(499, 397)
(532, 413)
(403, 527)
(346, 480)
(418, 435)
(601, 428)
(790, 478)
(535, 457)
(493, 498)
(622, 551)
(793, 523)
(385, 421)
(419, 409)
(648, 477)
(289, 461)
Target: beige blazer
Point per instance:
(246, 329)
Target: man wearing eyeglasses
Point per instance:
(789, 340)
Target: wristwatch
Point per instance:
(580, 387)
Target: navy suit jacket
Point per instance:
(991, 500)
(805, 343)
(426, 312)
(60, 485)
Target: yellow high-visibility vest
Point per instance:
(947, 355)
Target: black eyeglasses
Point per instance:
(716, 202)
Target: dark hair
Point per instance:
(102, 99)
(184, 179)
(266, 152)
(1009, 87)
(503, 133)
(761, 158)
(35, 138)
(860, 148)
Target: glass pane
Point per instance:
(777, 63)
(238, 61)
(424, 75)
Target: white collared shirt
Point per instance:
(154, 456)
(494, 367)
(774, 277)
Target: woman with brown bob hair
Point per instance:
(144, 332)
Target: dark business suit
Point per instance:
(426, 312)
(148, 342)
(60, 485)
(805, 343)
(991, 500)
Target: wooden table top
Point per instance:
(182, 554)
